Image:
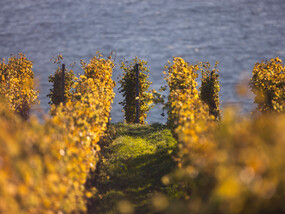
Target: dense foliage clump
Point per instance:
(210, 87)
(268, 85)
(128, 90)
(45, 166)
(55, 94)
(233, 166)
(17, 84)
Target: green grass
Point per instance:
(131, 168)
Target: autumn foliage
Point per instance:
(184, 103)
(44, 166)
(233, 165)
(210, 88)
(226, 163)
(55, 94)
(128, 89)
(268, 85)
(17, 84)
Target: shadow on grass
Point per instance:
(133, 175)
(135, 130)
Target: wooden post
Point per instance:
(137, 94)
(63, 83)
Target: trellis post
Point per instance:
(137, 94)
(63, 83)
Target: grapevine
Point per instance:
(128, 90)
(17, 84)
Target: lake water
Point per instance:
(237, 33)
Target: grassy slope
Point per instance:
(132, 167)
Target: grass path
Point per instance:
(131, 169)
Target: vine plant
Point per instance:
(128, 89)
(17, 84)
(56, 79)
(268, 85)
(210, 87)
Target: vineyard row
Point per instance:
(225, 162)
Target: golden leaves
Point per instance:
(268, 85)
(17, 84)
(128, 89)
(183, 98)
(55, 94)
(46, 165)
(238, 160)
